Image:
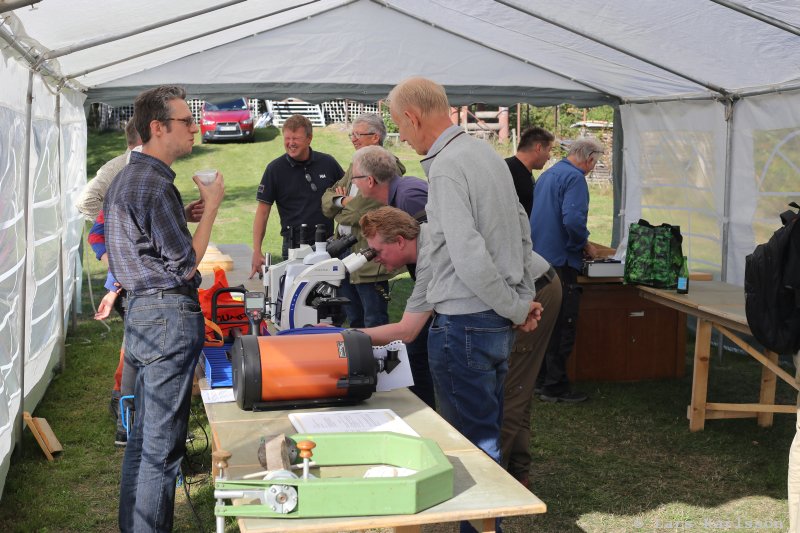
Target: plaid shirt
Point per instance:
(149, 245)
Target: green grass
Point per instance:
(622, 459)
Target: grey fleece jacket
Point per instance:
(480, 241)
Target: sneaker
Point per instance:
(537, 390)
(121, 439)
(566, 397)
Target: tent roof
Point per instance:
(588, 52)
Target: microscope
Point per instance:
(302, 290)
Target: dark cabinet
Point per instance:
(623, 337)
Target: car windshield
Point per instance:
(231, 105)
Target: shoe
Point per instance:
(121, 439)
(523, 479)
(566, 397)
(537, 390)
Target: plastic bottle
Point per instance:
(683, 278)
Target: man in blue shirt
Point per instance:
(375, 175)
(559, 233)
(155, 258)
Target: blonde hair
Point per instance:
(424, 94)
(389, 223)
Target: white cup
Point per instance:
(207, 175)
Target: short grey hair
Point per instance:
(583, 148)
(375, 124)
(377, 162)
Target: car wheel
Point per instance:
(203, 140)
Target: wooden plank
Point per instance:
(752, 407)
(48, 435)
(773, 366)
(767, 393)
(416, 528)
(33, 425)
(716, 415)
(702, 348)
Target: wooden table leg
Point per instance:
(483, 525)
(768, 385)
(408, 529)
(702, 349)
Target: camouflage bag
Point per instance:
(654, 255)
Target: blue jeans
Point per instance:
(163, 339)
(468, 356)
(367, 308)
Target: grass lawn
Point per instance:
(623, 461)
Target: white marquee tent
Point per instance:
(707, 94)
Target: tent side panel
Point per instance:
(73, 178)
(12, 248)
(674, 162)
(766, 171)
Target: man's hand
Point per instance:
(211, 195)
(194, 211)
(532, 320)
(341, 191)
(256, 263)
(590, 250)
(106, 305)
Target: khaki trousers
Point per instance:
(523, 367)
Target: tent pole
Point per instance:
(11, 5)
(573, 79)
(708, 85)
(62, 356)
(52, 54)
(759, 16)
(726, 208)
(200, 35)
(23, 341)
(618, 180)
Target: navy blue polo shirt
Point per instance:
(284, 183)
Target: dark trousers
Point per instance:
(420, 370)
(553, 374)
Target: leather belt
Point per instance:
(542, 281)
(185, 290)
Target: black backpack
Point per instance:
(772, 287)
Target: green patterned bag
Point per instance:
(654, 255)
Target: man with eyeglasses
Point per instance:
(295, 181)
(368, 288)
(560, 235)
(155, 258)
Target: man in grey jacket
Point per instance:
(482, 269)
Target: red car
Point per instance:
(226, 121)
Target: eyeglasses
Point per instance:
(311, 183)
(354, 134)
(190, 121)
(358, 177)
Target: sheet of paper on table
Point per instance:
(399, 376)
(350, 422)
(217, 395)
